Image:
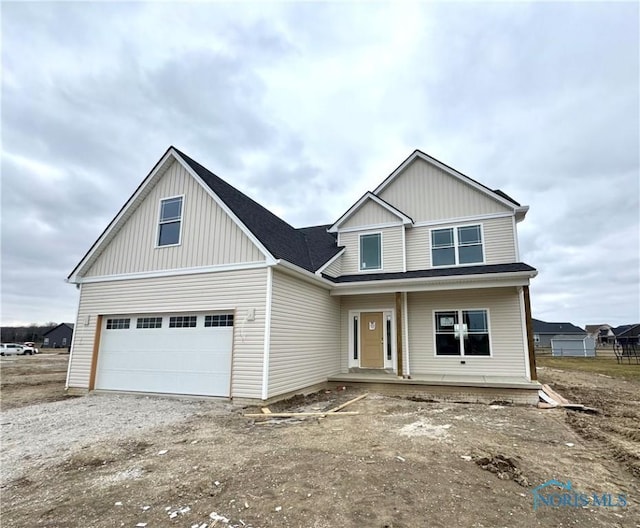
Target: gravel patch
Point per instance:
(47, 433)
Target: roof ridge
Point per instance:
(281, 239)
(234, 188)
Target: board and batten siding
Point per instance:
(305, 342)
(237, 291)
(209, 235)
(361, 303)
(505, 327)
(392, 250)
(499, 243)
(426, 192)
(370, 213)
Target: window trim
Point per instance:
(159, 221)
(456, 245)
(459, 311)
(371, 270)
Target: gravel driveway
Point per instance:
(47, 433)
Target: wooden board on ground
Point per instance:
(336, 409)
(291, 414)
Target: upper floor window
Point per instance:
(170, 221)
(456, 245)
(371, 252)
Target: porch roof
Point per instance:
(512, 267)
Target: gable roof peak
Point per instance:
(402, 217)
(495, 194)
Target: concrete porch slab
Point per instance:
(494, 382)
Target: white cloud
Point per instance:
(304, 106)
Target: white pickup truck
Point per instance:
(14, 349)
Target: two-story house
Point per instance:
(194, 288)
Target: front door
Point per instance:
(371, 351)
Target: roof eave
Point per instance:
(514, 278)
(521, 212)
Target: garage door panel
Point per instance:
(166, 360)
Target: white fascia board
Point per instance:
(175, 272)
(448, 170)
(369, 196)
(494, 280)
(303, 274)
(330, 261)
(159, 168)
(267, 254)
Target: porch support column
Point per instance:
(399, 331)
(529, 322)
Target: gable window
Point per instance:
(462, 333)
(371, 252)
(456, 245)
(170, 221)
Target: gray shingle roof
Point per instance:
(542, 327)
(307, 248)
(437, 272)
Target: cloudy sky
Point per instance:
(304, 106)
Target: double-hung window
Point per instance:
(462, 333)
(170, 221)
(371, 252)
(456, 245)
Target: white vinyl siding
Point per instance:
(379, 302)
(505, 332)
(305, 342)
(335, 268)
(233, 291)
(425, 192)
(371, 213)
(498, 243)
(392, 258)
(209, 236)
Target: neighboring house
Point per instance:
(58, 337)
(602, 333)
(194, 288)
(544, 331)
(627, 334)
(573, 345)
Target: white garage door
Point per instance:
(168, 353)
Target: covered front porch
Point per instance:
(448, 387)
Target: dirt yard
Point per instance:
(118, 460)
